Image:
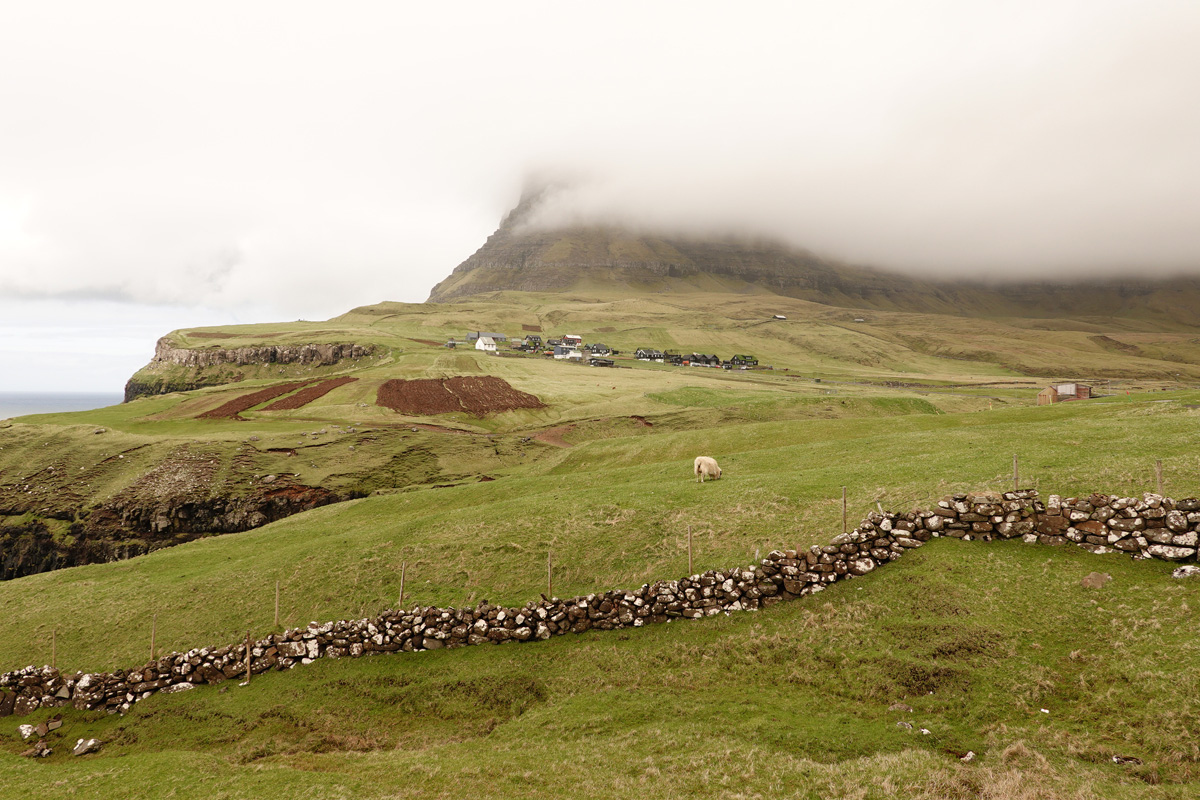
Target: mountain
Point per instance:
(605, 261)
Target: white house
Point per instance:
(485, 343)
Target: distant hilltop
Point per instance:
(606, 261)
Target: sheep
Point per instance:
(707, 466)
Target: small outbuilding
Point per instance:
(485, 343)
(1063, 393)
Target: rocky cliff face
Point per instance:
(196, 366)
(316, 354)
(169, 505)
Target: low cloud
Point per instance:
(1075, 158)
(284, 158)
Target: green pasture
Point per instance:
(792, 701)
(613, 512)
(977, 639)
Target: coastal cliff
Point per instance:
(181, 369)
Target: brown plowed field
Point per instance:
(234, 408)
(475, 395)
(305, 396)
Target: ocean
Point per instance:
(15, 404)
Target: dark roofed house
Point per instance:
(743, 361)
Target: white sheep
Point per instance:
(707, 466)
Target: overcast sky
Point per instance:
(167, 165)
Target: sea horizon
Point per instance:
(19, 404)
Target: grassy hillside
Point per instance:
(790, 701)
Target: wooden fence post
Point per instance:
(247, 656)
(400, 602)
(1016, 473)
(549, 574)
(153, 630)
(843, 509)
(690, 573)
(276, 604)
(1158, 475)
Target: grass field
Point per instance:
(791, 701)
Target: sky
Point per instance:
(171, 165)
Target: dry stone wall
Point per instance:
(1152, 526)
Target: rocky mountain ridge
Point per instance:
(604, 259)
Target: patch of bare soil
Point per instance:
(234, 408)
(532, 328)
(475, 395)
(554, 436)
(645, 423)
(430, 342)
(305, 396)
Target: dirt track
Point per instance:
(305, 396)
(474, 395)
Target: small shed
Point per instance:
(1073, 391)
(1063, 393)
(485, 343)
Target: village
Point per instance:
(571, 348)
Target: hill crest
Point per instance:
(607, 261)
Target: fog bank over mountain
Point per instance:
(302, 159)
